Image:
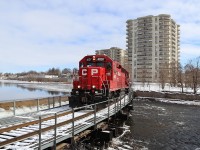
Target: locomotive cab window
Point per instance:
(108, 66)
(89, 64)
(81, 65)
(100, 64)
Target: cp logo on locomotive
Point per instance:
(93, 71)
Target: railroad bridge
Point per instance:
(52, 124)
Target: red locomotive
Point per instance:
(99, 77)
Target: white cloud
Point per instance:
(35, 33)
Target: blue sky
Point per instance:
(40, 34)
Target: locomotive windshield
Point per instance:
(89, 64)
(95, 64)
(98, 62)
(81, 65)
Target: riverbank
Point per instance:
(167, 94)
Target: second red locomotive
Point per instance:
(99, 77)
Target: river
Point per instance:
(15, 90)
(163, 126)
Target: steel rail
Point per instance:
(32, 122)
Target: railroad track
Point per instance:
(49, 130)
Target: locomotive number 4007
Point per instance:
(93, 71)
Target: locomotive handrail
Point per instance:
(107, 80)
(102, 83)
(100, 79)
(121, 97)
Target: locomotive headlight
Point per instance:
(79, 86)
(93, 86)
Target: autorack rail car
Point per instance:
(99, 77)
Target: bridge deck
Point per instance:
(54, 126)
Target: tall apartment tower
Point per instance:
(116, 54)
(153, 42)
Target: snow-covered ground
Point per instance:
(14, 81)
(183, 102)
(173, 101)
(157, 87)
(58, 87)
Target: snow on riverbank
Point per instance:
(13, 81)
(157, 87)
(172, 101)
(183, 102)
(58, 87)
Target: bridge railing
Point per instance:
(67, 124)
(19, 107)
(95, 115)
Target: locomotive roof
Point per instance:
(107, 58)
(104, 56)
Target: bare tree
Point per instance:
(188, 74)
(163, 74)
(75, 74)
(54, 71)
(66, 71)
(143, 76)
(192, 72)
(180, 76)
(173, 73)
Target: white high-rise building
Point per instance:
(153, 42)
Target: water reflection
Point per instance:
(6, 84)
(27, 88)
(31, 89)
(15, 91)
